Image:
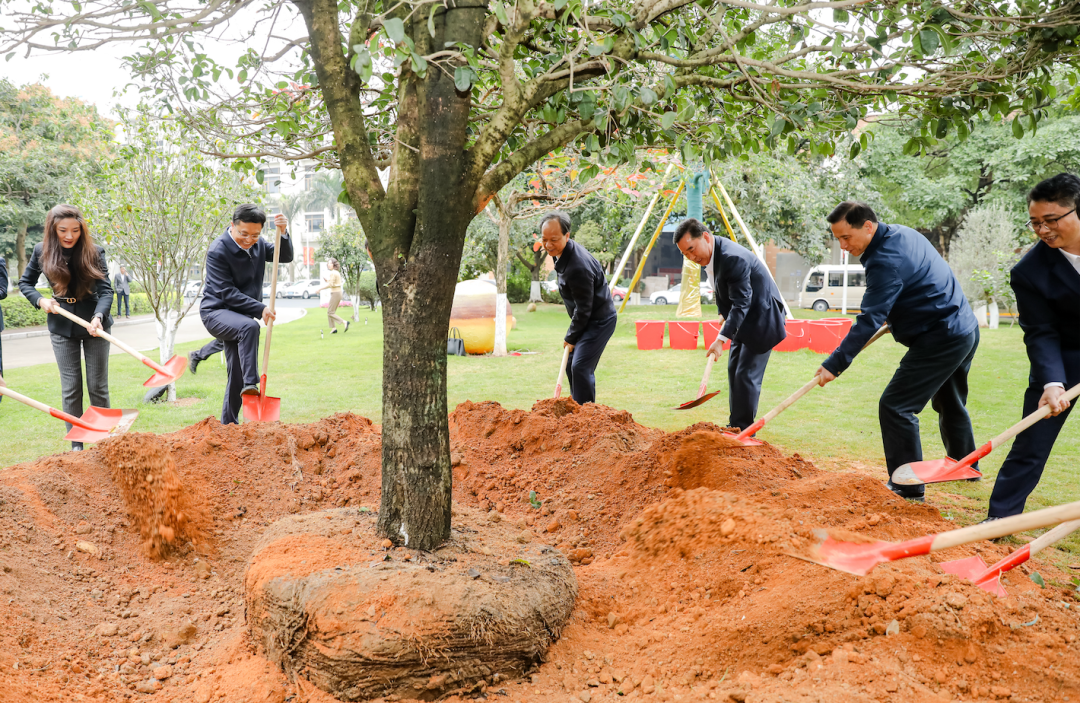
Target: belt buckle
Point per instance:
(69, 301)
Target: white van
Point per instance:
(823, 287)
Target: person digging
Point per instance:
(232, 299)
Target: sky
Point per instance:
(91, 76)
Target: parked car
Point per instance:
(671, 295)
(303, 289)
(193, 289)
(618, 293)
(823, 287)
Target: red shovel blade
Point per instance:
(861, 558)
(102, 423)
(970, 568)
(173, 369)
(918, 473)
(744, 436)
(698, 401)
(261, 408)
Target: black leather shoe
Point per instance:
(346, 325)
(916, 494)
(989, 519)
(76, 446)
(192, 362)
(250, 390)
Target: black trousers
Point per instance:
(581, 366)
(1023, 468)
(746, 371)
(70, 352)
(208, 350)
(240, 337)
(936, 373)
(127, 303)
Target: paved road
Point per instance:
(141, 333)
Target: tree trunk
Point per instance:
(501, 262)
(20, 248)
(166, 333)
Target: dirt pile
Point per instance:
(165, 514)
(679, 611)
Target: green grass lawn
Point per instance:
(835, 426)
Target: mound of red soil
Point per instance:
(672, 604)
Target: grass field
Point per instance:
(836, 427)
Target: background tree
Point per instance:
(458, 99)
(984, 249)
(46, 143)
(293, 206)
(934, 189)
(345, 242)
(158, 206)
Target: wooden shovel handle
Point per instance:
(705, 376)
(273, 298)
(562, 371)
(1007, 526)
(1031, 419)
(38, 405)
(1053, 536)
(107, 337)
(882, 331)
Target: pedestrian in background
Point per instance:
(122, 288)
(333, 282)
(77, 272)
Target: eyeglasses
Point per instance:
(1049, 222)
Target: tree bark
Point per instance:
(166, 330)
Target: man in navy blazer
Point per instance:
(1047, 286)
(753, 311)
(909, 285)
(232, 299)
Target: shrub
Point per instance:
(517, 286)
(18, 312)
(365, 289)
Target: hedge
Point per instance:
(18, 312)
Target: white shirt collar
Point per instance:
(1073, 259)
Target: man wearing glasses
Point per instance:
(232, 299)
(909, 285)
(1047, 286)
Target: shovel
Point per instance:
(744, 436)
(263, 408)
(701, 396)
(95, 424)
(562, 371)
(938, 470)
(164, 375)
(859, 559)
(988, 578)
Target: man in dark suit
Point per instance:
(588, 303)
(753, 311)
(909, 285)
(232, 299)
(122, 287)
(1047, 286)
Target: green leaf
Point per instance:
(777, 126)
(259, 176)
(431, 20)
(856, 147)
(647, 95)
(1017, 128)
(929, 40)
(500, 13)
(596, 49)
(463, 78)
(668, 119)
(1037, 578)
(395, 29)
(419, 64)
(840, 16)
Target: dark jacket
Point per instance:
(3, 287)
(1047, 291)
(119, 281)
(99, 301)
(747, 297)
(909, 285)
(583, 289)
(234, 277)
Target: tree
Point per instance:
(458, 99)
(983, 251)
(292, 206)
(345, 242)
(159, 205)
(46, 143)
(933, 190)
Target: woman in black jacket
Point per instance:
(78, 275)
(587, 299)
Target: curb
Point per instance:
(45, 333)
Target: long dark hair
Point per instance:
(84, 256)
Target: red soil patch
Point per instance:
(678, 611)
